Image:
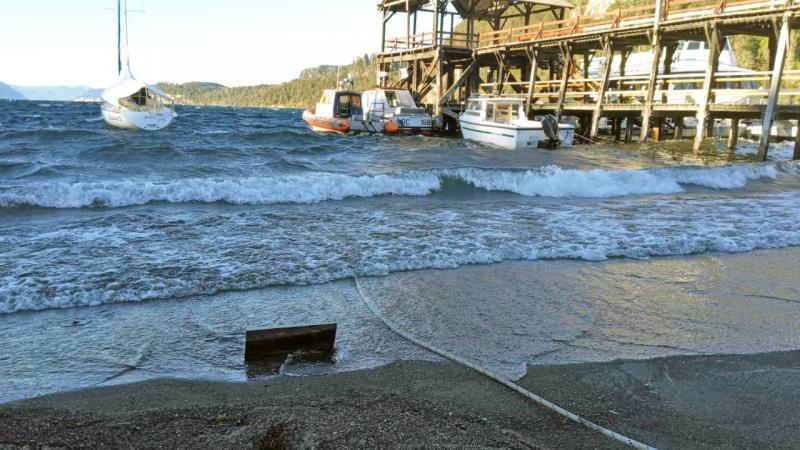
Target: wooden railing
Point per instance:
(621, 18)
(675, 89)
(421, 40)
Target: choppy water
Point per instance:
(244, 199)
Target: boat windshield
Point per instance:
(397, 99)
(502, 112)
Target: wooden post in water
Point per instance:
(608, 52)
(678, 128)
(774, 89)
(617, 128)
(733, 134)
(796, 154)
(708, 85)
(629, 129)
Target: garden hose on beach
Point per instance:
(539, 400)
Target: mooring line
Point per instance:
(500, 379)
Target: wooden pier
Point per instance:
(547, 59)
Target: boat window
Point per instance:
(474, 106)
(504, 113)
(140, 97)
(391, 98)
(490, 111)
(693, 45)
(400, 98)
(345, 105)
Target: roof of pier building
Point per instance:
(483, 9)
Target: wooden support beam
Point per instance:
(465, 74)
(608, 54)
(566, 54)
(678, 128)
(501, 72)
(774, 89)
(796, 154)
(383, 32)
(669, 54)
(532, 80)
(733, 134)
(408, 20)
(617, 128)
(658, 130)
(628, 130)
(651, 83)
(435, 21)
(427, 76)
(439, 81)
(651, 89)
(709, 131)
(709, 81)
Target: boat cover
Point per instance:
(127, 86)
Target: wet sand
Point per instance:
(740, 401)
(636, 346)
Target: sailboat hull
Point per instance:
(137, 120)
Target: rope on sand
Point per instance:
(504, 381)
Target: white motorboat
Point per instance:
(501, 121)
(374, 111)
(129, 103)
(395, 106)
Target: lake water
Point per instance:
(228, 203)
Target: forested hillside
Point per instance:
(301, 92)
(751, 53)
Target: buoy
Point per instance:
(390, 128)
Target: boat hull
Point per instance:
(510, 137)
(325, 124)
(137, 120)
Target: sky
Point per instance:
(233, 42)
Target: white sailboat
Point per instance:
(129, 103)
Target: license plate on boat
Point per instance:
(414, 122)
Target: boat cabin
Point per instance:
(386, 103)
(339, 104)
(502, 110)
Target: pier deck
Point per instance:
(548, 61)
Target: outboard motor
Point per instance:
(550, 128)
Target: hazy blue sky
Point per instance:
(234, 42)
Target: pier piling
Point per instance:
(547, 61)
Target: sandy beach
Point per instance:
(677, 402)
(636, 346)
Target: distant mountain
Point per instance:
(52, 93)
(9, 93)
(92, 95)
(300, 93)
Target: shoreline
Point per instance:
(716, 401)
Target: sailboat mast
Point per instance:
(127, 51)
(119, 37)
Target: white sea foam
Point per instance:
(549, 181)
(108, 263)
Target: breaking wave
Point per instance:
(551, 181)
(111, 263)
